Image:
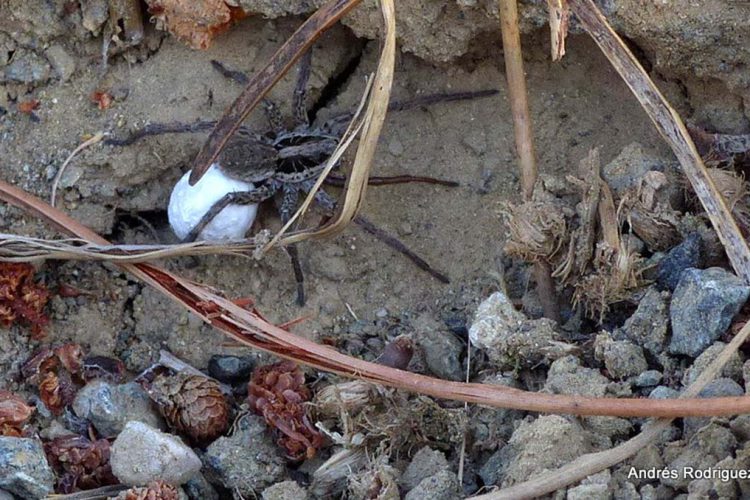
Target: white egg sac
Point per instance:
(188, 204)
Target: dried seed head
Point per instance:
(57, 374)
(80, 464)
(350, 396)
(537, 230)
(21, 298)
(192, 404)
(278, 392)
(156, 490)
(14, 412)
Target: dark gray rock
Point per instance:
(442, 350)
(441, 486)
(703, 305)
(24, 470)
(230, 369)
(648, 378)
(246, 462)
(685, 255)
(109, 407)
(663, 392)
(198, 488)
(714, 389)
(425, 463)
(647, 327)
(621, 358)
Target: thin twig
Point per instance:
(91, 141)
(524, 138)
(251, 329)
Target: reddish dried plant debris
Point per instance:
(278, 392)
(14, 412)
(397, 354)
(195, 22)
(57, 374)
(21, 299)
(155, 490)
(79, 464)
(27, 107)
(192, 404)
(110, 369)
(103, 100)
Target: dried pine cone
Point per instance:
(192, 404)
(156, 490)
(278, 392)
(80, 464)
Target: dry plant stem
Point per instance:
(261, 82)
(93, 140)
(591, 463)
(14, 248)
(251, 329)
(669, 124)
(524, 138)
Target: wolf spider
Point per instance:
(289, 162)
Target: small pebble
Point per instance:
(230, 369)
(141, 454)
(23, 468)
(247, 461)
(648, 378)
(26, 67)
(685, 255)
(381, 313)
(285, 490)
(425, 463)
(621, 358)
(441, 486)
(663, 392)
(441, 349)
(109, 407)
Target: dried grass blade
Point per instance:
(670, 126)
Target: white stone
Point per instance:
(142, 454)
(188, 204)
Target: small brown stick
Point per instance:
(251, 329)
(591, 463)
(670, 126)
(261, 82)
(524, 138)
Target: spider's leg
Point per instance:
(328, 203)
(286, 209)
(273, 115)
(300, 89)
(336, 125)
(258, 195)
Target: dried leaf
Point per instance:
(14, 412)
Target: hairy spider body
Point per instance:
(289, 162)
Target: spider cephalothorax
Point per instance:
(286, 162)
